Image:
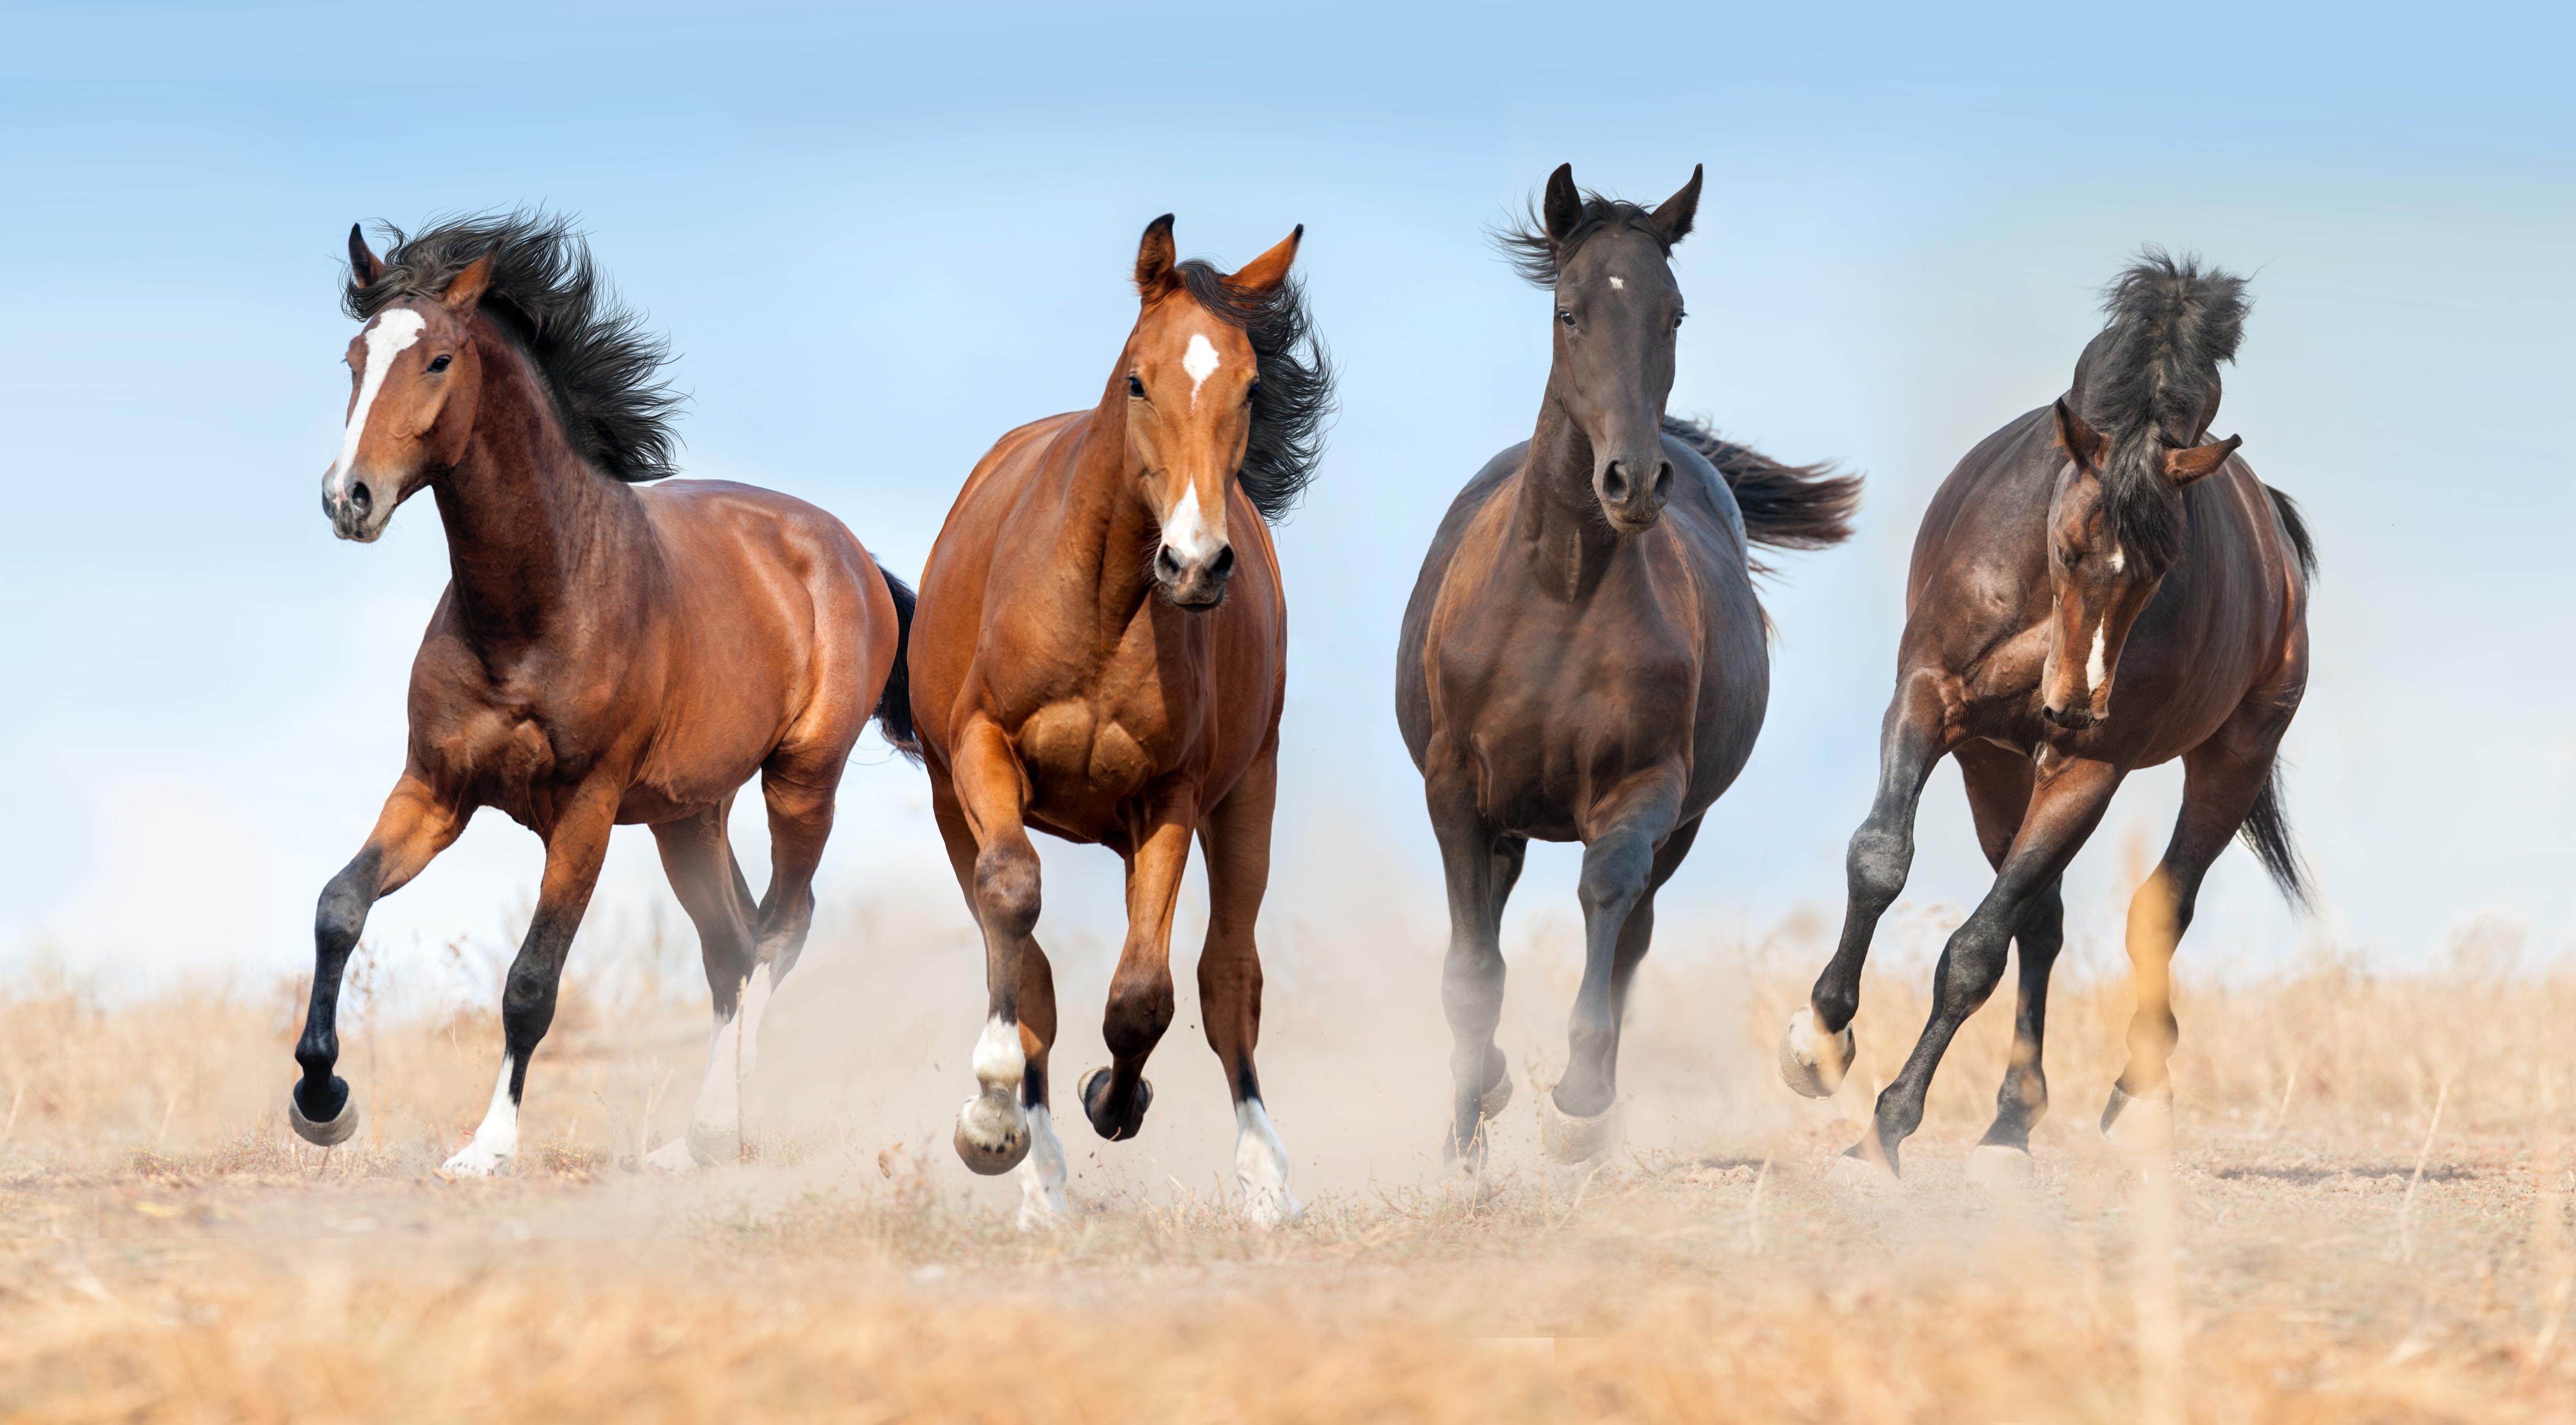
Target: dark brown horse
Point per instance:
(604, 653)
(1102, 654)
(2092, 543)
(1583, 658)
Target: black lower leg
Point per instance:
(338, 921)
(2024, 1095)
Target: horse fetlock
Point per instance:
(1042, 1202)
(992, 1133)
(1811, 1061)
(326, 1125)
(1261, 1168)
(1001, 1058)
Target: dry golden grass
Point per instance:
(171, 1254)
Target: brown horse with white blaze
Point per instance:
(604, 652)
(1102, 654)
(1584, 657)
(2097, 544)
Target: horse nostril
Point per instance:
(1663, 479)
(1222, 564)
(1165, 564)
(1614, 482)
(359, 499)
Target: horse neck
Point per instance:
(1557, 522)
(1108, 531)
(530, 524)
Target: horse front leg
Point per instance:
(415, 825)
(1620, 862)
(988, 791)
(1816, 1051)
(576, 845)
(1140, 991)
(2067, 801)
(1480, 865)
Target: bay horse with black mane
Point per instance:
(1583, 658)
(605, 652)
(2103, 541)
(1102, 654)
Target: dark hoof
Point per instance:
(1812, 1061)
(334, 1129)
(992, 1135)
(1105, 1119)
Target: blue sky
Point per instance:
(877, 241)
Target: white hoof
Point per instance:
(992, 1134)
(1042, 1204)
(672, 1157)
(324, 1135)
(1572, 1139)
(1861, 1177)
(475, 1160)
(1261, 1168)
(1812, 1061)
(715, 1145)
(1996, 1168)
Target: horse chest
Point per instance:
(1076, 757)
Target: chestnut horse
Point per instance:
(603, 653)
(1583, 658)
(1102, 654)
(2092, 543)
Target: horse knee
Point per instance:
(1006, 889)
(1876, 865)
(1970, 969)
(1614, 874)
(341, 915)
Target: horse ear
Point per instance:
(2183, 467)
(1155, 258)
(1563, 206)
(467, 289)
(364, 266)
(2083, 444)
(1673, 219)
(1266, 272)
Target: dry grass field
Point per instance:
(2364, 1215)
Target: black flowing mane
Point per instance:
(2151, 382)
(591, 353)
(1295, 394)
(1524, 242)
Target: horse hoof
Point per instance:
(1572, 1138)
(1097, 1108)
(715, 1147)
(1497, 1098)
(2000, 1169)
(992, 1135)
(2148, 1116)
(332, 1132)
(672, 1157)
(1811, 1061)
(1865, 1177)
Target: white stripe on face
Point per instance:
(2093, 665)
(1201, 362)
(2119, 558)
(388, 338)
(1187, 534)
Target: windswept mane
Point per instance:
(1524, 244)
(591, 353)
(2150, 381)
(1295, 395)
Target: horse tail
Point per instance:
(1785, 506)
(894, 706)
(2301, 543)
(2266, 833)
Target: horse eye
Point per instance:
(1252, 390)
(440, 364)
(1678, 316)
(1136, 387)
(1565, 316)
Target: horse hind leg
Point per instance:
(2222, 779)
(1998, 785)
(699, 861)
(800, 792)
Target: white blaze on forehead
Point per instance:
(2093, 664)
(1201, 362)
(1186, 531)
(1617, 284)
(2118, 557)
(388, 338)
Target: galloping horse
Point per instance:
(2092, 542)
(602, 654)
(1583, 657)
(1102, 654)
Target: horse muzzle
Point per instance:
(2075, 717)
(1632, 492)
(355, 509)
(1194, 583)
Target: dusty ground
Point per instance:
(2366, 1217)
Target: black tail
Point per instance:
(894, 706)
(2266, 833)
(1785, 506)
(2300, 543)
